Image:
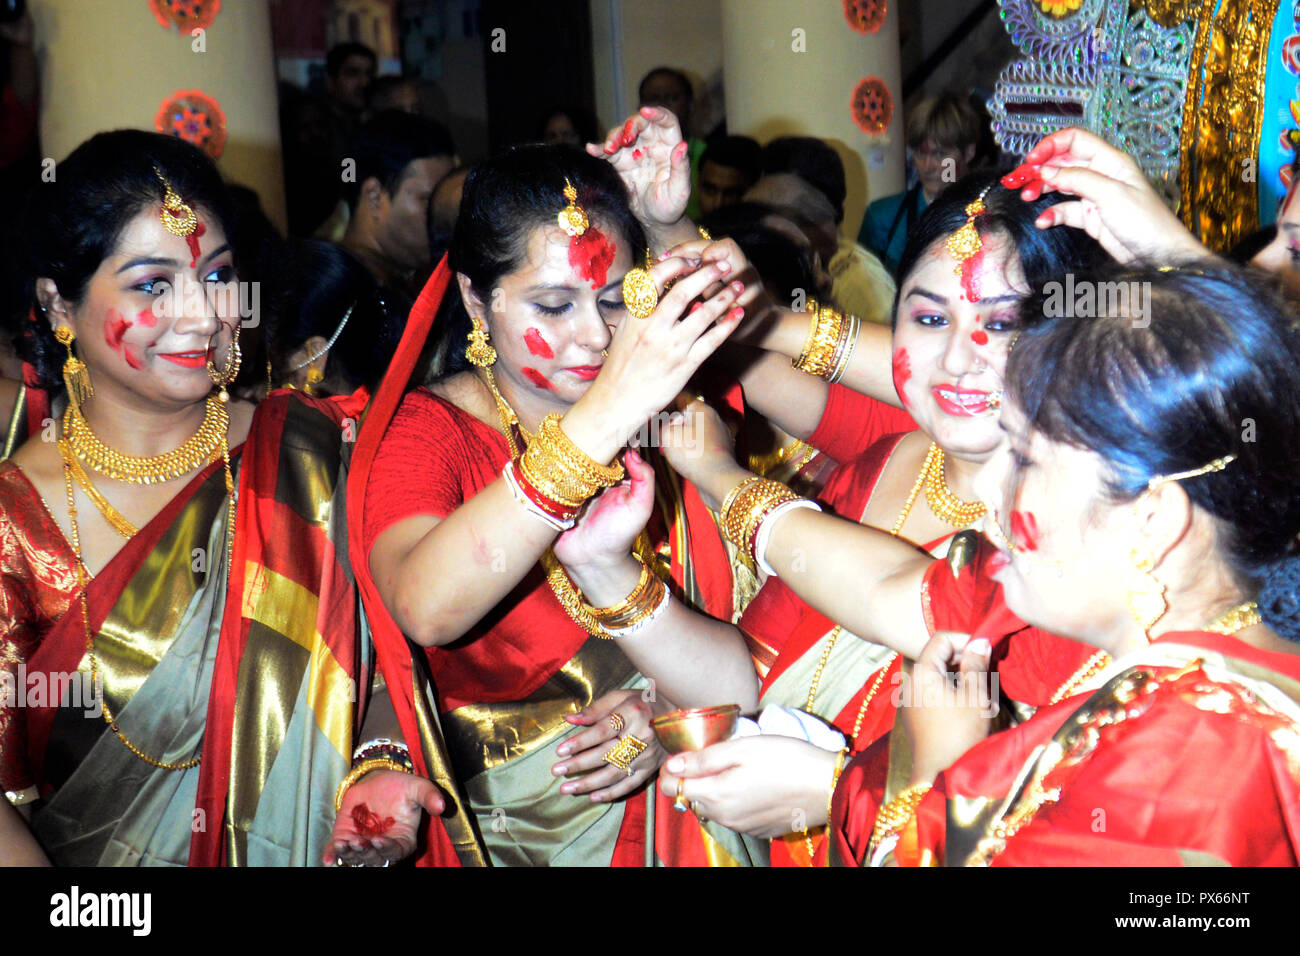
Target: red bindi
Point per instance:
(902, 373)
(979, 337)
(192, 240)
(1024, 530)
(369, 823)
(537, 378)
(537, 345)
(591, 255)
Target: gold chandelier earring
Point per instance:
(1146, 595)
(224, 376)
(480, 351)
(76, 377)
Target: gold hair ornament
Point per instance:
(177, 216)
(572, 218)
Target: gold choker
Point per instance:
(199, 450)
(946, 506)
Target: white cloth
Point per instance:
(787, 722)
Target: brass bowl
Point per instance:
(696, 729)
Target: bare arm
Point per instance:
(17, 845)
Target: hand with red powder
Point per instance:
(650, 154)
(380, 818)
(1116, 205)
(611, 521)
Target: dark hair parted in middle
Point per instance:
(1182, 366)
(1044, 254)
(505, 199)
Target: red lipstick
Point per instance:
(961, 402)
(186, 359)
(585, 372)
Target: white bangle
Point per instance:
(764, 530)
(381, 742)
(644, 622)
(508, 473)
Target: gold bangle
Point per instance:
(835, 780)
(818, 351)
(750, 506)
(613, 611)
(729, 502)
(895, 814)
(577, 459)
(359, 771)
(847, 341)
(645, 605)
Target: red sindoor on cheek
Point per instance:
(537, 345)
(537, 378)
(591, 255)
(115, 328)
(902, 373)
(1024, 530)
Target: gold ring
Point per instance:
(617, 722)
(640, 295)
(679, 803)
(624, 752)
(695, 809)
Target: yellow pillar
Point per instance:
(790, 69)
(108, 64)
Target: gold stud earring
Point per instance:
(479, 351)
(76, 377)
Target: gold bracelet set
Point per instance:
(895, 814)
(830, 343)
(638, 608)
(745, 508)
(562, 471)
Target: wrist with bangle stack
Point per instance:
(381, 753)
(747, 513)
(830, 343)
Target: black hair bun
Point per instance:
(1279, 598)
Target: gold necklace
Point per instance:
(1093, 666)
(1238, 618)
(947, 507)
(68, 449)
(200, 449)
(114, 517)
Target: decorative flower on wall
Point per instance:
(872, 105)
(196, 118)
(865, 16)
(185, 15)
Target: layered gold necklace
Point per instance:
(79, 443)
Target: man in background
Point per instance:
(728, 167)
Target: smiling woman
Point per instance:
(116, 546)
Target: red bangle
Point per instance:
(550, 506)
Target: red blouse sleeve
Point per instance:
(431, 460)
(853, 422)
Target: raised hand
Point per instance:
(379, 820)
(609, 525)
(650, 154)
(1116, 205)
(946, 714)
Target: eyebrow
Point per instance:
(570, 288)
(154, 261)
(943, 300)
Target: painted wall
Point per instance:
(107, 64)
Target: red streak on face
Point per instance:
(368, 823)
(970, 280)
(591, 255)
(537, 378)
(979, 337)
(902, 372)
(1024, 530)
(132, 356)
(114, 329)
(192, 240)
(636, 154)
(147, 317)
(537, 345)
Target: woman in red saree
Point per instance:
(183, 680)
(1139, 518)
(467, 571)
